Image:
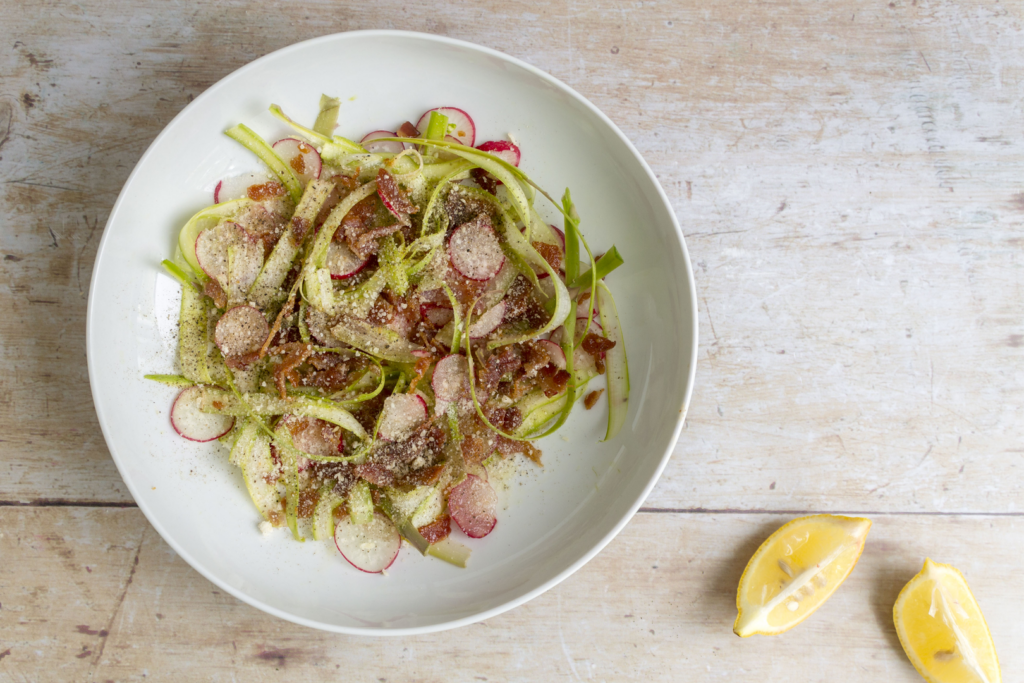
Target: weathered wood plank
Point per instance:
(96, 595)
(848, 177)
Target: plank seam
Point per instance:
(763, 511)
(62, 503)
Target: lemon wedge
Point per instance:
(943, 630)
(796, 570)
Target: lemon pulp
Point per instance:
(943, 630)
(796, 570)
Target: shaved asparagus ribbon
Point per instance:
(327, 119)
(248, 405)
(615, 362)
(258, 146)
(171, 380)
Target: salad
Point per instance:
(372, 328)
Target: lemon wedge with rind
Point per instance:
(796, 570)
(942, 629)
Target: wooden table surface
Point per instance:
(850, 180)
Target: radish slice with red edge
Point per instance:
(402, 413)
(192, 423)
(472, 505)
(370, 547)
(487, 322)
(230, 255)
(561, 236)
(439, 316)
(241, 330)
(451, 378)
(300, 157)
(595, 327)
(503, 149)
(465, 129)
(556, 335)
(342, 262)
(383, 146)
(583, 308)
(238, 186)
(554, 352)
(474, 250)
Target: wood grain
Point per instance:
(850, 180)
(97, 595)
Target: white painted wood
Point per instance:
(657, 604)
(850, 180)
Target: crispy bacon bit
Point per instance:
(591, 399)
(366, 244)
(522, 305)
(295, 354)
(266, 190)
(299, 226)
(408, 130)
(599, 363)
(438, 530)
(596, 345)
(298, 162)
(508, 447)
(395, 198)
(330, 380)
(381, 313)
(390, 460)
(505, 360)
(552, 380)
(376, 474)
(505, 419)
(462, 207)
(364, 224)
(551, 254)
(242, 361)
(485, 180)
(535, 357)
(213, 290)
(307, 500)
(425, 476)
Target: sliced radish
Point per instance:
(241, 330)
(238, 186)
(370, 547)
(439, 316)
(300, 157)
(556, 335)
(402, 414)
(474, 250)
(192, 423)
(465, 129)
(231, 256)
(451, 378)
(503, 149)
(472, 505)
(487, 322)
(595, 327)
(554, 352)
(342, 262)
(314, 436)
(583, 308)
(384, 146)
(561, 236)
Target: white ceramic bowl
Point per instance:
(555, 518)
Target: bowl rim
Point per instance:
(583, 559)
